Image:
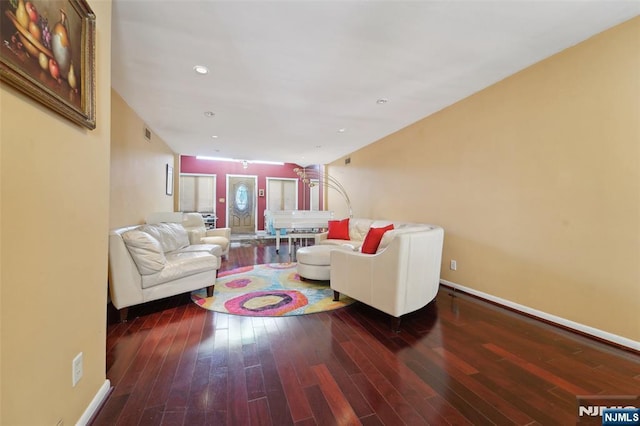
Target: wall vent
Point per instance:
(147, 133)
(347, 161)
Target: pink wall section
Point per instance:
(190, 164)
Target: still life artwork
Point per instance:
(48, 52)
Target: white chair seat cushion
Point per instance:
(315, 255)
(213, 249)
(181, 265)
(219, 241)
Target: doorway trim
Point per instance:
(255, 200)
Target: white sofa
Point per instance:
(401, 277)
(153, 261)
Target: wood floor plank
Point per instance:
(160, 391)
(535, 403)
(294, 392)
(539, 372)
(445, 387)
(259, 412)
(179, 392)
(378, 403)
(321, 411)
(150, 359)
(497, 409)
(396, 399)
(336, 400)
(457, 361)
(348, 387)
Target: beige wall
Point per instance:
(54, 221)
(137, 168)
(536, 181)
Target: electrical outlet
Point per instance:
(76, 369)
(453, 265)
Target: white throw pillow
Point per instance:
(145, 251)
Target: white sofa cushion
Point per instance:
(172, 236)
(179, 265)
(145, 250)
(358, 229)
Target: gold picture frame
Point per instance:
(47, 51)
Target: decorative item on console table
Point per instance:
(210, 220)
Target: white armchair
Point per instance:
(199, 234)
(196, 228)
(400, 278)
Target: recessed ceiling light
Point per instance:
(201, 69)
(209, 113)
(342, 130)
(382, 101)
(214, 136)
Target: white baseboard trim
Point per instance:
(585, 329)
(95, 404)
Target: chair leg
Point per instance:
(336, 296)
(124, 312)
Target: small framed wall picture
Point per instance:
(261, 192)
(169, 180)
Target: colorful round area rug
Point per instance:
(269, 290)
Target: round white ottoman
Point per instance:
(314, 262)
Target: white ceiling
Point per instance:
(285, 76)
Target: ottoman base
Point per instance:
(314, 262)
(314, 272)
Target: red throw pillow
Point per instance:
(372, 240)
(339, 229)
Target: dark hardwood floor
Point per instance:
(457, 361)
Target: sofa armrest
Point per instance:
(219, 232)
(320, 237)
(125, 282)
(195, 235)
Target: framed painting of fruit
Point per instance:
(47, 50)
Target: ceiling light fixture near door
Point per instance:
(209, 113)
(201, 69)
(381, 101)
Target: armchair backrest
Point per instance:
(194, 224)
(193, 221)
(159, 217)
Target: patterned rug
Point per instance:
(269, 290)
